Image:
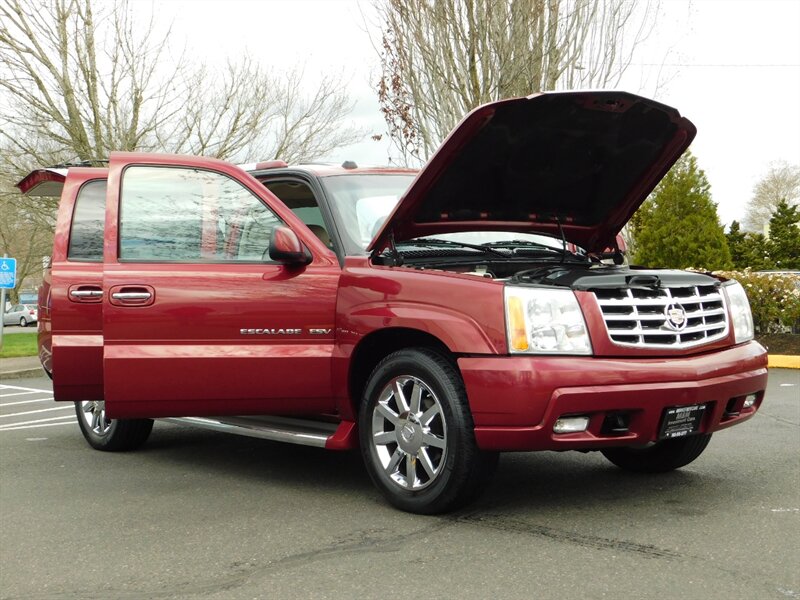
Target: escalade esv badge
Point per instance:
(267, 331)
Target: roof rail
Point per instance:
(271, 164)
(83, 163)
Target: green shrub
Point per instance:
(774, 299)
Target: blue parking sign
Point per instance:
(8, 273)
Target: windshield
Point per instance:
(499, 237)
(361, 203)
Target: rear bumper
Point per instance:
(515, 401)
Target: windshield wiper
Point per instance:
(436, 242)
(533, 245)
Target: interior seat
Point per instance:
(320, 232)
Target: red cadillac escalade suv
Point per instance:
(431, 319)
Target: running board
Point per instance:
(278, 429)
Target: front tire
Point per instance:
(417, 434)
(661, 457)
(110, 435)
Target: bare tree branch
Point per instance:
(781, 182)
(440, 59)
(81, 78)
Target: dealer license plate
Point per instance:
(680, 421)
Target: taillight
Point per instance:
(33, 312)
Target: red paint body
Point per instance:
(181, 352)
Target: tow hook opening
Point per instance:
(616, 423)
(735, 406)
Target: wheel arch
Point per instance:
(376, 346)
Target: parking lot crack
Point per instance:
(506, 524)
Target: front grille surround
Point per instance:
(635, 317)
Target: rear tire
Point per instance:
(661, 457)
(417, 434)
(110, 435)
(23, 322)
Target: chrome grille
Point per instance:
(638, 317)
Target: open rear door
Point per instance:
(70, 308)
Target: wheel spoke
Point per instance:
(402, 403)
(95, 417)
(411, 470)
(388, 414)
(385, 437)
(415, 404)
(394, 461)
(429, 415)
(88, 407)
(431, 440)
(425, 459)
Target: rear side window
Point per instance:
(88, 222)
(174, 214)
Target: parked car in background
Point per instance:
(21, 314)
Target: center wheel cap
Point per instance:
(409, 437)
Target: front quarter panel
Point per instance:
(464, 313)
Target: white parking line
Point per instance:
(30, 412)
(18, 394)
(35, 426)
(16, 387)
(2, 404)
(10, 426)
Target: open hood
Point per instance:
(43, 182)
(580, 163)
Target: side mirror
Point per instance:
(286, 248)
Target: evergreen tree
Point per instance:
(784, 236)
(747, 249)
(678, 226)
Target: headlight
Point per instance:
(741, 317)
(545, 321)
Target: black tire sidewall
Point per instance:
(121, 435)
(23, 322)
(449, 391)
(661, 457)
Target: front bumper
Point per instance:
(515, 400)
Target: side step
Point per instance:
(279, 429)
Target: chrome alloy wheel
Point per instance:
(409, 433)
(94, 415)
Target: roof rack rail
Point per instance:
(82, 163)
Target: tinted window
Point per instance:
(88, 223)
(171, 214)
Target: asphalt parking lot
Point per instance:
(199, 514)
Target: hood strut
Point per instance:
(397, 258)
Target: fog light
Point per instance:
(749, 401)
(571, 424)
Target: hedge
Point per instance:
(774, 299)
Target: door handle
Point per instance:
(86, 293)
(131, 296)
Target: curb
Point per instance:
(22, 374)
(784, 361)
